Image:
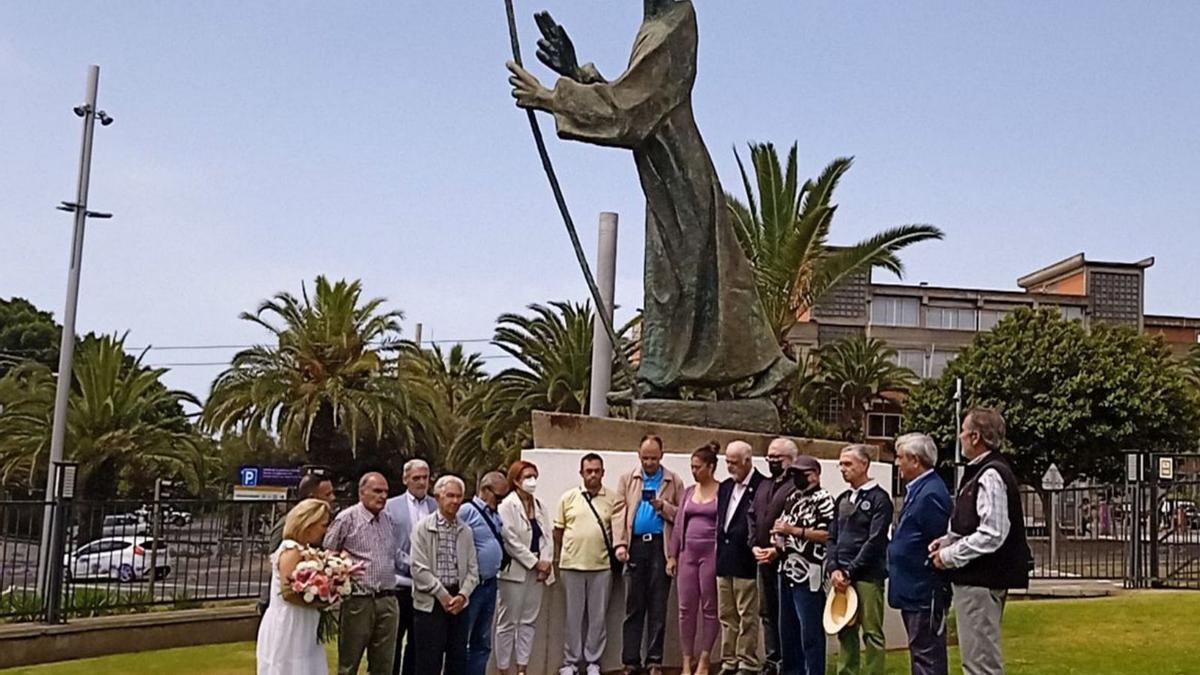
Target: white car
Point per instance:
(121, 558)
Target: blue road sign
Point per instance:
(249, 476)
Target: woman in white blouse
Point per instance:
(529, 541)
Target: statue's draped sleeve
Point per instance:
(625, 112)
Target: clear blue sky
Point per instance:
(259, 144)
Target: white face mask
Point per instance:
(529, 485)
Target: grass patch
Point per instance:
(1145, 632)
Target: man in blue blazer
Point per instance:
(917, 589)
(406, 511)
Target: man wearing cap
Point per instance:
(985, 551)
(857, 556)
(766, 508)
(801, 533)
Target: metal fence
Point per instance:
(123, 556)
(1145, 535)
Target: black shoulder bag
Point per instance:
(505, 558)
(618, 567)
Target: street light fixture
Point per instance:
(66, 358)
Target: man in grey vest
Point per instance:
(985, 552)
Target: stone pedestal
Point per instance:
(757, 414)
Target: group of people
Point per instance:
(450, 584)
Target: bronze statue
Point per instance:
(703, 324)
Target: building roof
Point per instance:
(1074, 264)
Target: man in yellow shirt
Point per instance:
(583, 541)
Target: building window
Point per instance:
(988, 318)
(895, 311)
(1071, 313)
(913, 359)
(950, 318)
(883, 425)
(938, 361)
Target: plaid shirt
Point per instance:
(447, 553)
(369, 539)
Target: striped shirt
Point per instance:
(370, 539)
(447, 551)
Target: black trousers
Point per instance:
(646, 593)
(926, 641)
(405, 663)
(443, 640)
(768, 609)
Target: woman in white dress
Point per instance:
(529, 540)
(287, 635)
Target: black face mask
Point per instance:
(775, 467)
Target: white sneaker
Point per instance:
(593, 669)
(567, 670)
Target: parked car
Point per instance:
(121, 558)
(124, 525)
(170, 515)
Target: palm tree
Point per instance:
(458, 390)
(119, 426)
(324, 383)
(858, 372)
(553, 347)
(554, 350)
(784, 228)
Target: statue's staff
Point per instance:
(597, 300)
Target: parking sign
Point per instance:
(249, 476)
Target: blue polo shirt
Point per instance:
(647, 520)
(487, 548)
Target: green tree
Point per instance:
(458, 389)
(123, 424)
(1070, 396)
(27, 334)
(1192, 365)
(325, 383)
(553, 347)
(858, 372)
(784, 228)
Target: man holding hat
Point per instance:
(857, 557)
(801, 534)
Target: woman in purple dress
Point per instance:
(693, 562)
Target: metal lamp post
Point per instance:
(90, 115)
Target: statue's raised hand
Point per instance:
(555, 48)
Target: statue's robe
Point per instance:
(703, 324)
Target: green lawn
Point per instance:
(1149, 632)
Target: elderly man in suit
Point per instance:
(737, 570)
(406, 511)
(920, 592)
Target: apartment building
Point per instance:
(928, 325)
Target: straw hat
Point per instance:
(841, 610)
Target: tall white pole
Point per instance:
(67, 345)
(958, 469)
(602, 347)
